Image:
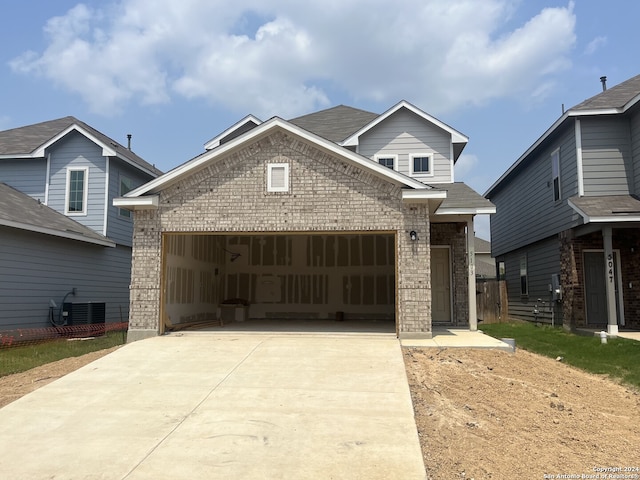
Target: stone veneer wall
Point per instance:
(326, 194)
(453, 234)
(627, 242)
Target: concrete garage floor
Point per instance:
(208, 405)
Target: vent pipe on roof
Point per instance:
(129, 141)
(603, 79)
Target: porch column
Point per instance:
(471, 255)
(612, 323)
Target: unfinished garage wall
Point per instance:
(324, 194)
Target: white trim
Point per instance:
(456, 136)
(466, 211)
(451, 162)
(215, 141)
(579, 164)
(270, 168)
(85, 191)
(106, 149)
(394, 156)
(137, 203)
(47, 180)
(56, 233)
(106, 195)
(418, 196)
(415, 174)
(174, 175)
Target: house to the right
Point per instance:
(566, 232)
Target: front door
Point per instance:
(440, 285)
(595, 288)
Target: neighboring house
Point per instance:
(566, 228)
(485, 263)
(58, 228)
(341, 214)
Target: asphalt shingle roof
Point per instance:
(335, 124)
(460, 195)
(25, 140)
(608, 206)
(614, 97)
(22, 211)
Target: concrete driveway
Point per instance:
(232, 406)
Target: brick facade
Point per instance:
(326, 195)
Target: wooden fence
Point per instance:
(491, 301)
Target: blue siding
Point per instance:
(606, 156)
(75, 150)
(37, 268)
(120, 228)
(525, 208)
(27, 175)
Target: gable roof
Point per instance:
(416, 190)
(238, 128)
(463, 200)
(19, 210)
(31, 141)
(616, 100)
(336, 123)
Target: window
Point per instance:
(421, 163)
(502, 272)
(278, 177)
(388, 161)
(524, 287)
(76, 203)
(555, 173)
(126, 185)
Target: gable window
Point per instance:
(421, 163)
(524, 284)
(76, 201)
(555, 174)
(388, 161)
(126, 185)
(278, 177)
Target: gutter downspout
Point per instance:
(578, 134)
(47, 180)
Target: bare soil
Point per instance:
(488, 414)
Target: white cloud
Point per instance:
(595, 44)
(277, 58)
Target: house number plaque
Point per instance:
(610, 267)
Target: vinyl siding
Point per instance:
(543, 260)
(37, 268)
(26, 175)
(606, 156)
(120, 228)
(75, 150)
(403, 134)
(525, 209)
(634, 123)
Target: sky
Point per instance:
(175, 74)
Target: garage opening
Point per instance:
(295, 281)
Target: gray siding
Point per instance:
(634, 123)
(27, 175)
(543, 260)
(75, 150)
(37, 268)
(403, 134)
(606, 156)
(525, 208)
(119, 227)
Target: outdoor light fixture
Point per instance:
(413, 235)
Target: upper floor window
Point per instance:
(388, 161)
(421, 163)
(278, 177)
(555, 174)
(76, 201)
(524, 284)
(126, 185)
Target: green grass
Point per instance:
(20, 359)
(619, 358)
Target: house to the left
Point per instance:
(65, 251)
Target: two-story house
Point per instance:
(61, 239)
(565, 234)
(340, 214)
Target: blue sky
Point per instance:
(175, 74)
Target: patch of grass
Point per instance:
(619, 357)
(20, 359)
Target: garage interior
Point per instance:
(297, 281)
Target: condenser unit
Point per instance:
(87, 313)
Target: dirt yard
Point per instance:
(488, 414)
